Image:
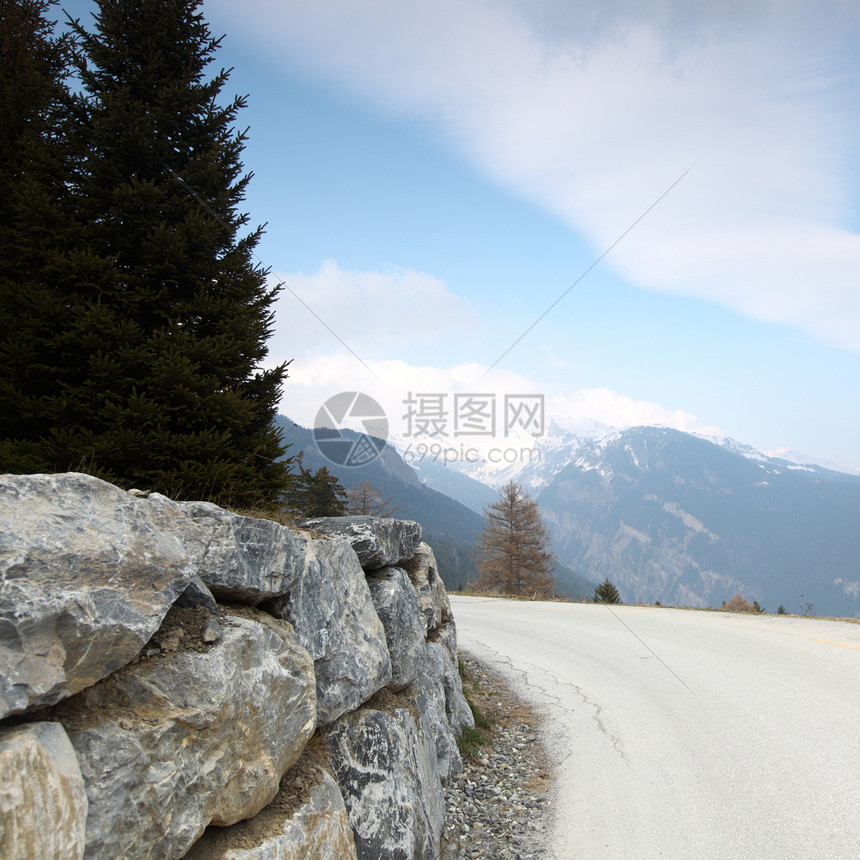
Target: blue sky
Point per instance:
(434, 175)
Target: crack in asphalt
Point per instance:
(597, 715)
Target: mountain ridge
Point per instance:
(673, 517)
(668, 516)
(450, 526)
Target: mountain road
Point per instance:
(684, 733)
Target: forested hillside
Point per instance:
(449, 527)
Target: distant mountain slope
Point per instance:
(666, 515)
(469, 492)
(673, 517)
(449, 527)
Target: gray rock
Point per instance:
(387, 775)
(333, 615)
(432, 597)
(197, 594)
(43, 804)
(243, 558)
(377, 541)
(428, 694)
(446, 635)
(316, 829)
(212, 631)
(171, 744)
(86, 577)
(396, 604)
(456, 707)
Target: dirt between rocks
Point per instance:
(295, 790)
(179, 631)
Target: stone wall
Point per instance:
(179, 681)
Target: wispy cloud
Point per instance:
(592, 113)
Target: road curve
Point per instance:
(685, 734)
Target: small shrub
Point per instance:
(481, 721)
(471, 739)
(781, 610)
(738, 603)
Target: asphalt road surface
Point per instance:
(685, 734)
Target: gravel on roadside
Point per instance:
(500, 806)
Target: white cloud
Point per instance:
(393, 382)
(593, 114)
(618, 410)
(315, 379)
(849, 586)
(369, 311)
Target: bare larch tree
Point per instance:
(514, 554)
(365, 498)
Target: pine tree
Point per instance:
(606, 592)
(167, 316)
(514, 547)
(315, 494)
(40, 153)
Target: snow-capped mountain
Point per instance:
(534, 461)
(672, 517)
(528, 460)
(686, 520)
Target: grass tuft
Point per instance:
(471, 740)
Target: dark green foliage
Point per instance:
(481, 721)
(781, 610)
(606, 592)
(470, 740)
(142, 336)
(40, 153)
(316, 494)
